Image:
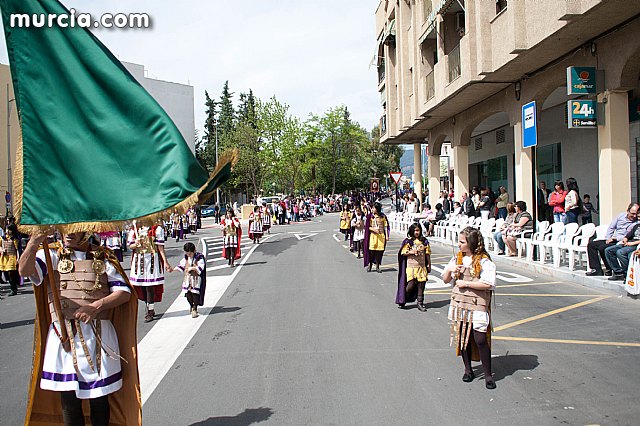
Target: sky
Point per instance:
(310, 54)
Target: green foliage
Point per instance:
(328, 153)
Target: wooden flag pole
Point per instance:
(64, 336)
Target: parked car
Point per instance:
(270, 199)
(209, 211)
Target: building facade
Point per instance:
(460, 71)
(175, 98)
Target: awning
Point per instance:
(429, 33)
(391, 28)
(444, 5)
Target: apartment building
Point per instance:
(460, 71)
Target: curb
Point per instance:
(578, 277)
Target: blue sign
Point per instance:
(581, 81)
(529, 126)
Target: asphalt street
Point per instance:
(301, 334)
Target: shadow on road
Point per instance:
(437, 303)
(7, 325)
(186, 312)
(246, 418)
(505, 365)
(253, 263)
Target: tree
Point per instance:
(210, 128)
(226, 117)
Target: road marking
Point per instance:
(547, 314)
(566, 341)
(511, 277)
(335, 237)
(301, 236)
(528, 284)
(497, 294)
(164, 343)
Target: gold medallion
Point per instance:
(99, 267)
(65, 266)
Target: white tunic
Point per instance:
(480, 319)
(229, 241)
(142, 274)
(58, 372)
(358, 234)
(256, 225)
(191, 283)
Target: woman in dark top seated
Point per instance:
(522, 222)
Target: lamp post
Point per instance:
(218, 188)
(9, 186)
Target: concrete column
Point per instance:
(460, 170)
(434, 177)
(614, 160)
(524, 167)
(417, 170)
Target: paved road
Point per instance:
(302, 335)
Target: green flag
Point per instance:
(96, 149)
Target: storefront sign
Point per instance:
(582, 114)
(581, 81)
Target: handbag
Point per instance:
(631, 284)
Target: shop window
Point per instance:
(549, 164)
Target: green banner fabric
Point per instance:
(97, 150)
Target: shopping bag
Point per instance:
(631, 284)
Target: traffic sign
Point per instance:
(7, 197)
(582, 114)
(529, 125)
(396, 176)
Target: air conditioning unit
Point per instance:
(460, 22)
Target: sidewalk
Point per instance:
(562, 274)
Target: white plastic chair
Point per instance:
(579, 245)
(550, 240)
(564, 243)
(528, 242)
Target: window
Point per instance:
(500, 5)
(549, 162)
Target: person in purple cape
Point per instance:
(376, 235)
(414, 263)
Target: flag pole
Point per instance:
(64, 336)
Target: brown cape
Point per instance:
(44, 407)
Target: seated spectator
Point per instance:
(467, 206)
(618, 229)
(439, 215)
(521, 222)
(618, 255)
(499, 234)
(457, 209)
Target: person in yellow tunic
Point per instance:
(9, 259)
(474, 279)
(345, 221)
(375, 239)
(414, 264)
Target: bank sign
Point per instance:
(581, 81)
(582, 114)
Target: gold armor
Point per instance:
(81, 286)
(147, 244)
(230, 229)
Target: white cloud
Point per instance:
(313, 55)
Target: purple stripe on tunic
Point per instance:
(117, 284)
(180, 267)
(146, 280)
(101, 383)
(43, 266)
(57, 377)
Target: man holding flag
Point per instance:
(95, 153)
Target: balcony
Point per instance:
(453, 61)
(430, 86)
(383, 125)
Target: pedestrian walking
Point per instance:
(255, 225)
(375, 237)
(231, 237)
(414, 264)
(358, 224)
(9, 257)
(194, 282)
(474, 279)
